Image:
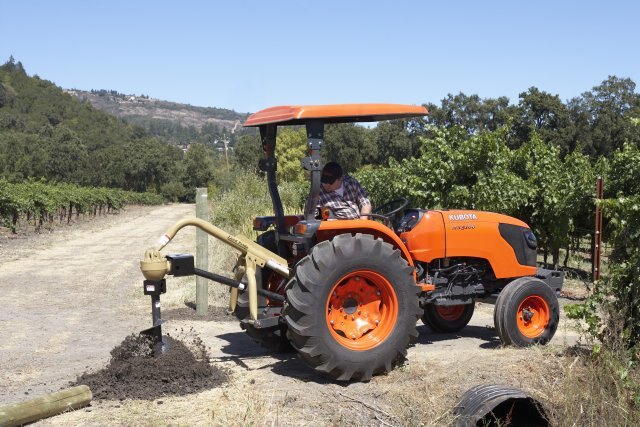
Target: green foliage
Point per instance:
(614, 309)
(560, 192)
(608, 109)
(198, 166)
(348, 145)
(452, 171)
(596, 123)
(291, 146)
(391, 139)
(471, 113)
(248, 197)
(44, 202)
(626, 179)
(248, 152)
(544, 114)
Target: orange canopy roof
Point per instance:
(337, 113)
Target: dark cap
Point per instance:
(330, 173)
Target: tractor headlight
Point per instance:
(531, 240)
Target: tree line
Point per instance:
(596, 124)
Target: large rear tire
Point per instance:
(442, 318)
(352, 307)
(526, 313)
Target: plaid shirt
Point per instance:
(349, 205)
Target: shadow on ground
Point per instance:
(486, 334)
(242, 350)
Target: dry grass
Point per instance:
(599, 382)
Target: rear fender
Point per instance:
(331, 228)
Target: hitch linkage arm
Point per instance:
(183, 265)
(155, 267)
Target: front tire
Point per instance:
(526, 313)
(352, 307)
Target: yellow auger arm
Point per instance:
(154, 266)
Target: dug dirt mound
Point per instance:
(134, 373)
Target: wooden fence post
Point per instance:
(202, 253)
(597, 237)
(45, 406)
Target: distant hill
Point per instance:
(180, 124)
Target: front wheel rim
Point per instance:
(450, 313)
(533, 316)
(362, 310)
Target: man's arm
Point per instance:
(363, 200)
(365, 209)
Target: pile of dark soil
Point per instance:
(134, 373)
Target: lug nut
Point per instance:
(353, 336)
(353, 318)
(331, 322)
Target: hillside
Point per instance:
(176, 123)
(46, 133)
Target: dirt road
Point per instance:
(66, 302)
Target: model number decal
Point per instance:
(463, 227)
(462, 217)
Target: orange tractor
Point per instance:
(346, 294)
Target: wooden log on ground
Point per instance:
(46, 406)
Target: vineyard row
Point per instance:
(40, 203)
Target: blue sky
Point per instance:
(249, 55)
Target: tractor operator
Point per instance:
(343, 194)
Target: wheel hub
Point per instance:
(350, 305)
(533, 316)
(354, 307)
(527, 315)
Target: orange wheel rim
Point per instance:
(533, 316)
(450, 313)
(362, 310)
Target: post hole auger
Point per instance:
(155, 267)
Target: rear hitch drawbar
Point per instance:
(183, 265)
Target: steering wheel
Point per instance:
(391, 208)
(386, 212)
